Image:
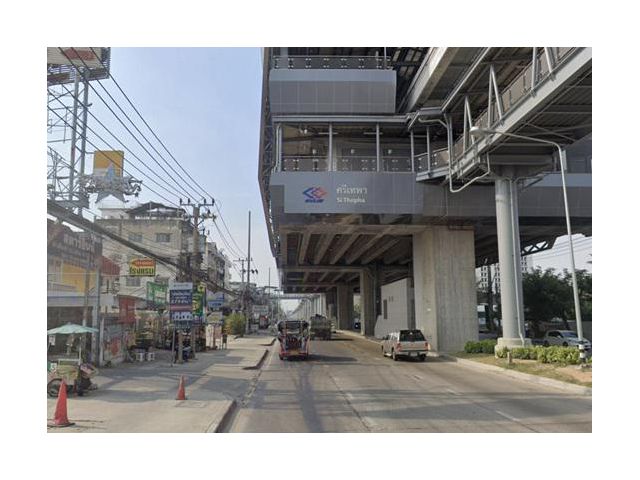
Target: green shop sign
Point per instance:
(156, 295)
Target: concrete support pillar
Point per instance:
(344, 305)
(445, 287)
(367, 302)
(511, 297)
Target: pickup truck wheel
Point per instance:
(565, 344)
(393, 355)
(546, 344)
(423, 358)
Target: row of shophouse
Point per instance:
(97, 282)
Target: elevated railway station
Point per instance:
(380, 164)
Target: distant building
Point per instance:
(72, 262)
(161, 229)
(525, 265)
(217, 264)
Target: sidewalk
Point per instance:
(140, 397)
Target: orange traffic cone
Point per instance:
(181, 395)
(60, 418)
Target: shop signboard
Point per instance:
(142, 267)
(156, 295)
(198, 307)
(181, 303)
(215, 300)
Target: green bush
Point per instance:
(554, 354)
(483, 346)
(235, 324)
(520, 352)
(472, 347)
(502, 353)
(488, 346)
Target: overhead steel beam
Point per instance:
(337, 268)
(304, 245)
(284, 253)
(357, 253)
(322, 247)
(342, 247)
(322, 268)
(478, 62)
(380, 249)
(400, 252)
(340, 229)
(353, 278)
(431, 71)
(325, 119)
(312, 284)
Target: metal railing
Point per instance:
(545, 63)
(330, 62)
(304, 163)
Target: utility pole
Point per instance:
(195, 257)
(247, 303)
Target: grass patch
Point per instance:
(564, 373)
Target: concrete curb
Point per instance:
(224, 421)
(260, 362)
(377, 342)
(270, 343)
(357, 335)
(550, 382)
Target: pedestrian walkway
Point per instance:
(140, 397)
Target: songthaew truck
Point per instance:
(293, 336)
(320, 327)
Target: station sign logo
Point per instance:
(314, 195)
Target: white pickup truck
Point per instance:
(407, 343)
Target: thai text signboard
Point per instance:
(181, 303)
(142, 267)
(156, 295)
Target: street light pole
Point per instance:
(480, 132)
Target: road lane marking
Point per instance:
(508, 417)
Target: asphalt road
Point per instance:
(348, 386)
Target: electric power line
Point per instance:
(106, 104)
(207, 194)
(147, 140)
(123, 169)
(154, 133)
(175, 192)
